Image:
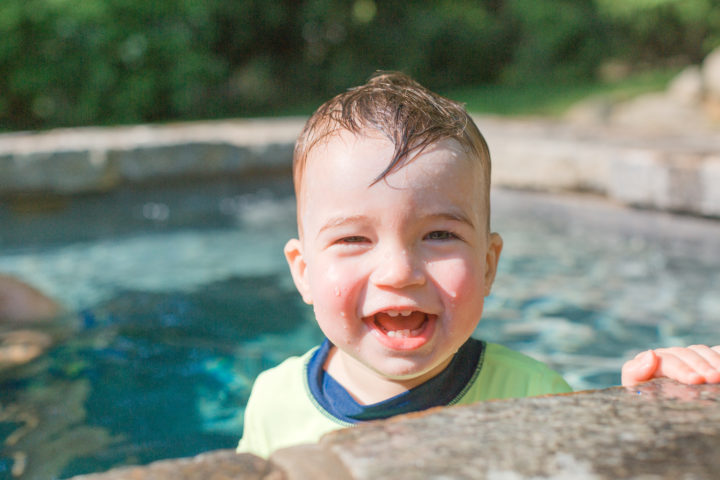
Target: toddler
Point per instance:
(396, 256)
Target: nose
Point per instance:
(398, 267)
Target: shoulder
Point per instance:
(280, 411)
(288, 373)
(289, 378)
(505, 373)
(499, 356)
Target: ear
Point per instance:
(298, 268)
(492, 256)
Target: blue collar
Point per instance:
(439, 390)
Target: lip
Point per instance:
(419, 337)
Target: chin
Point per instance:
(403, 370)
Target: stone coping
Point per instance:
(675, 172)
(658, 430)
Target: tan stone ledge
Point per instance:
(660, 430)
(666, 171)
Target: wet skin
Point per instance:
(396, 270)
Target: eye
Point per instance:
(353, 239)
(440, 235)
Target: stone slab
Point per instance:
(660, 430)
(217, 465)
(663, 171)
(70, 161)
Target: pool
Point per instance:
(180, 296)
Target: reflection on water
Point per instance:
(182, 297)
(585, 285)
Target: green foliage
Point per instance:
(64, 62)
(552, 98)
(648, 30)
(556, 40)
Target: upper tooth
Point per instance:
(395, 313)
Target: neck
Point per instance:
(367, 386)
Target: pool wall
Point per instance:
(658, 430)
(677, 172)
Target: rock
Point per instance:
(218, 465)
(69, 161)
(711, 74)
(658, 112)
(687, 87)
(591, 111)
(660, 430)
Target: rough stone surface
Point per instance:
(710, 178)
(661, 430)
(68, 161)
(658, 112)
(687, 87)
(711, 73)
(310, 462)
(218, 465)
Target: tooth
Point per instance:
(391, 333)
(392, 313)
(405, 313)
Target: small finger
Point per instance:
(712, 357)
(639, 369)
(680, 366)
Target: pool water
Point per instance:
(180, 296)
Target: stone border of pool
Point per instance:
(659, 430)
(674, 172)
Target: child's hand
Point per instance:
(691, 365)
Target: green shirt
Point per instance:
(282, 412)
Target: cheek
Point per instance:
(461, 281)
(334, 286)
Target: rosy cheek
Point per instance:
(456, 278)
(336, 284)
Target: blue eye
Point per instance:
(440, 235)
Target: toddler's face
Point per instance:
(397, 272)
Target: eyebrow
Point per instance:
(458, 217)
(339, 221)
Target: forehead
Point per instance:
(344, 170)
(369, 153)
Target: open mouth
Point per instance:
(402, 329)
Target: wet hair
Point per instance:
(408, 114)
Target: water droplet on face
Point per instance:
(337, 291)
(453, 294)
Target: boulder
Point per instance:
(687, 87)
(711, 74)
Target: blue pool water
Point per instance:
(180, 297)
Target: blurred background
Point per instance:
(104, 62)
(159, 248)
